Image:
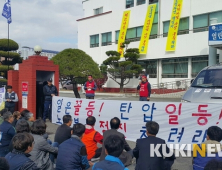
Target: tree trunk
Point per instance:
(121, 86)
(75, 89)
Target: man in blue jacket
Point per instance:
(214, 136)
(114, 147)
(7, 132)
(72, 152)
(18, 159)
(49, 91)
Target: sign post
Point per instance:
(24, 95)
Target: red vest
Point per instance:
(144, 90)
(91, 145)
(90, 85)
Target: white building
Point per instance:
(98, 33)
(29, 51)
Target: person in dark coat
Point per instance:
(145, 89)
(18, 159)
(125, 157)
(49, 91)
(11, 98)
(64, 131)
(144, 160)
(72, 152)
(113, 147)
(7, 131)
(4, 164)
(20, 127)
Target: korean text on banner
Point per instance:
(174, 25)
(183, 123)
(123, 30)
(147, 29)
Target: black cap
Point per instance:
(49, 80)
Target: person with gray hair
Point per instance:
(7, 131)
(27, 116)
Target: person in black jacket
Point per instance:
(64, 131)
(49, 91)
(125, 157)
(4, 164)
(18, 159)
(144, 160)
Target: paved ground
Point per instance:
(179, 164)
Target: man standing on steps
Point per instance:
(145, 89)
(49, 91)
(90, 88)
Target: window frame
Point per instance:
(175, 75)
(137, 38)
(99, 12)
(129, 5)
(140, 2)
(202, 29)
(95, 44)
(180, 32)
(107, 42)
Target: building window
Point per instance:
(134, 34)
(202, 22)
(140, 2)
(117, 36)
(183, 27)
(98, 11)
(129, 3)
(106, 39)
(154, 29)
(94, 41)
(198, 63)
(150, 66)
(153, 1)
(175, 68)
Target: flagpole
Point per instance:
(8, 48)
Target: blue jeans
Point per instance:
(143, 99)
(47, 110)
(4, 151)
(51, 155)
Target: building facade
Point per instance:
(98, 32)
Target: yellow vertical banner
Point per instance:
(144, 41)
(174, 25)
(123, 30)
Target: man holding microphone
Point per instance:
(145, 89)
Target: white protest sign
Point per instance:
(184, 123)
(2, 94)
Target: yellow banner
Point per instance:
(144, 41)
(123, 30)
(174, 25)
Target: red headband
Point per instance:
(144, 77)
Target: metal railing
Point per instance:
(172, 87)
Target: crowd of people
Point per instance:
(24, 145)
